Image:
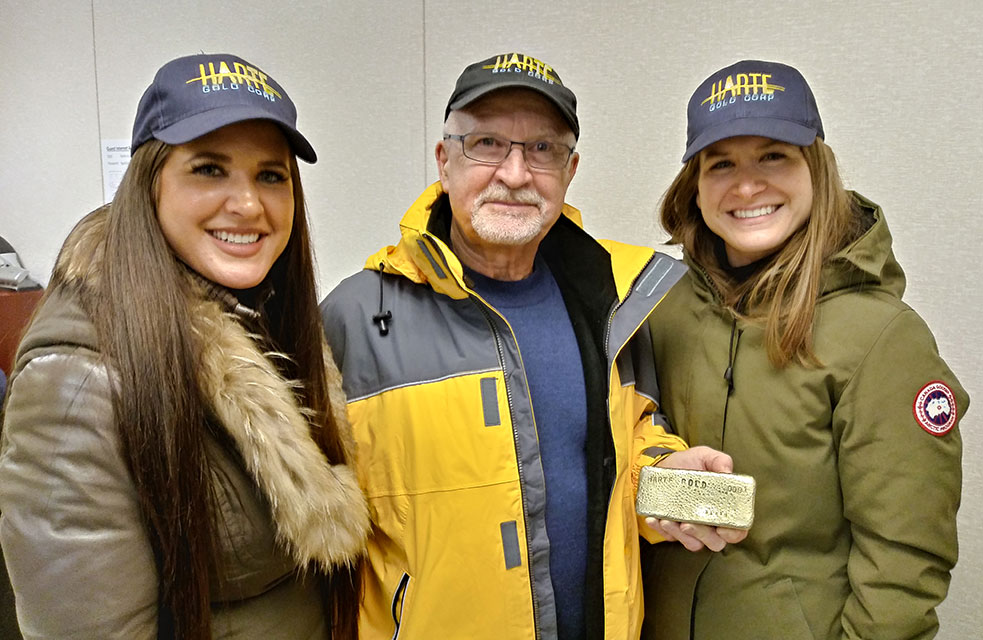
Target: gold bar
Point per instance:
(703, 497)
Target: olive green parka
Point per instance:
(855, 522)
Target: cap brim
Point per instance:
(471, 95)
(774, 128)
(205, 122)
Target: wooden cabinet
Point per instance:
(16, 308)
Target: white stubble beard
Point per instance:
(503, 228)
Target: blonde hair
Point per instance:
(782, 294)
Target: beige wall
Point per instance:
(897, 84)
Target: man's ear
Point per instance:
(573, 164)
(440, 154)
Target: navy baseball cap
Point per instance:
(752, 98)
(195, 95)
(516, 70)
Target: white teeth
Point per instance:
(236, 238)
(754, 213)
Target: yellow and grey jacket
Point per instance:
(446, 443)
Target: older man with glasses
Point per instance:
(501, 388)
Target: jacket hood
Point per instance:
(319, 511)
(867, 261)
(425, 256)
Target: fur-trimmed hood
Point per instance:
(318, 509)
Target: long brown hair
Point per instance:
(781, 295)
(141, 312)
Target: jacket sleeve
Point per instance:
(79, 560)
(652, 434)
(652, 440)
(901, 486)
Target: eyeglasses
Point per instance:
(487, 148)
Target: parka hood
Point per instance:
(867, 261)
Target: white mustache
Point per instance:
(501, 193)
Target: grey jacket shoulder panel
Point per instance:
(649, 288)
(456, 338)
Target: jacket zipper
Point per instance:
(518, 457)
(399, 602)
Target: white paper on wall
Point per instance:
(115, 158)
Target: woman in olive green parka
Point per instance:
(787, 346)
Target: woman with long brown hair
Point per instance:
(175, 452)
(788, 347)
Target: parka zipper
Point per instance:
(735, 340)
